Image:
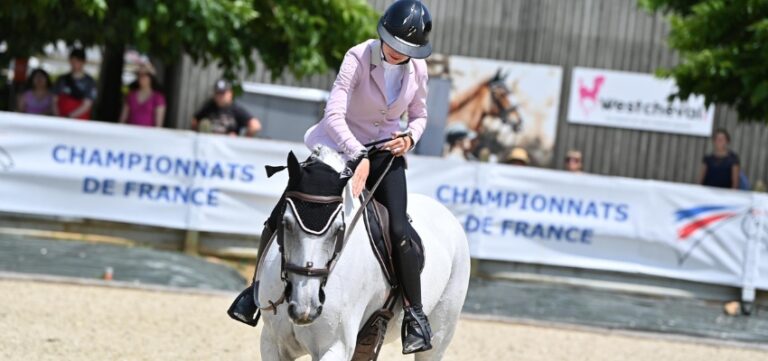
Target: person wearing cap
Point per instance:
(573, 161)
(221, 115)
(379, 81)
(517, 156)
(145, 104)
(76, 90)
(459, 138)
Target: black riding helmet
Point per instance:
(405, 26)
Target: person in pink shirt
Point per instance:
(38, 99)
(145, 104)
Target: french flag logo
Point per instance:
(706, 217)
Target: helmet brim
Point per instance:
(416, 52)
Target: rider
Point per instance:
(380, 81)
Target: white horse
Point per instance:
(326, 326)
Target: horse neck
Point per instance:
(471, 106)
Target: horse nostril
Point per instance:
(292, 310)
(319, 311)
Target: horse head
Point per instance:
(501, 106)
(312, 230)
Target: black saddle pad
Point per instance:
(376, 220)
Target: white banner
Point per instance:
(185, 180)
(635, 101)
(160, 177)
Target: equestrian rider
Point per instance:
(378, 83)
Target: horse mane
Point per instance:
(330, 157)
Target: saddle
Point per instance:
(376, 219)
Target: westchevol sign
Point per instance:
(635, 101)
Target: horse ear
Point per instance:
(497, 76)
(294, 168)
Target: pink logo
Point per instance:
(587, 96)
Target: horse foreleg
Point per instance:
(338, 352)
(271, 350)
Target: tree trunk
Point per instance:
(110, 97)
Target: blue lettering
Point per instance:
(574, 206)
(108, 187)
(440, 190)
(213, 197)
(591, 210)
(477, 198)
(148, 165)
(115, 159)
(129, 187)
(511, 199)
(524, 203)
(183, 166)
(90, 185)
(55, 153)
(606, 209)
(572, 235)
(462, 195)
(145, 190)
(555, 232)
(586, 236)
(538, 231)
(232, 170)
(73, 154)
(247, 174)
(506, 225)
(495, 197)
(201, 169)
(95, 158)
(556, 205)
(623, 212)
(133, 160)
(539, 206)
(521, 228)
(163, 165)
(217, 171)
(163, 193)
(195, 200)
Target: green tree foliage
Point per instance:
(723, 45)
(301, 36)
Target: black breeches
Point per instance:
(392, 193)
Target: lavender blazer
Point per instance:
(357, 111)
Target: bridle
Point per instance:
(340, 239)
(504, 111)
(309, 269)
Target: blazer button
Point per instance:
(376, 123)
(383, 111)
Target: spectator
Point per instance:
(721, 168)
(221, 115)
(517, 156)
(145, 104)
(75, 91)
(459, 139)
(573, 162)
(38, 98)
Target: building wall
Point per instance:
(610, 34)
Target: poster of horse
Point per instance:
(501, 105)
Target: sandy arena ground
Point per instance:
(50, 321)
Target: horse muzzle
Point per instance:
(303, 315)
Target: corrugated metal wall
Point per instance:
(610, 34)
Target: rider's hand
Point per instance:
(399, 145)
(360, 176)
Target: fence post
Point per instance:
(191, 242)
(752, 252)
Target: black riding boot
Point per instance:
(416, 332)
(244, 308)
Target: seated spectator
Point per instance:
(721, 167)
(221, 115)
(38, 98)
(517, 156)
(145, 104)
(459, 139)
(75, 91)
(573, 162)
